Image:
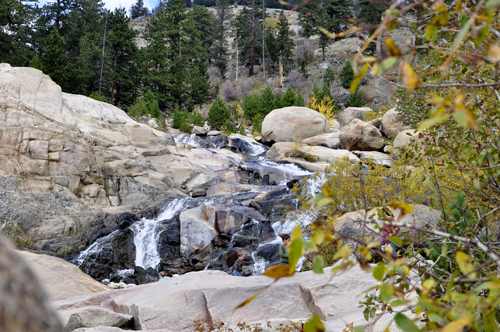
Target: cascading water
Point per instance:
(187, 139)
(146, 234)
(95, 248)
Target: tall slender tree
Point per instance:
(248, 45)
(122, 51)
(220, 29)
(203, 22)
(54, 59)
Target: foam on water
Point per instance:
(187, 139)
(146, 234)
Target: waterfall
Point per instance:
(95, 248)
(187, 139)
(146, 234)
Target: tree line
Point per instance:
(89, 50)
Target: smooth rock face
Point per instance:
(359, 135)
(60, 279)
(24, 305)
(291, 123)
(199, 130)
(197, 296)
(197, 232)
(350, 113)
(93, 317)
(289, 149)
(391, 126)
(330, 140)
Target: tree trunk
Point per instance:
(281, 73)
(252, 41)
(113, 85)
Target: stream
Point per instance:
(161, 241)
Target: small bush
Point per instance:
(228, 91)
(346, 75)
(182, 121)
(358, 99)
(288, 98)
(21, 239)
(95, 95)
(218, 115)
(257, 124)
(329, 77)
(411, 106)
(303, 69)
(326, 107)
(197, 119)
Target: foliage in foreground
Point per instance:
(448, 273)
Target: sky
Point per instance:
(112, 4)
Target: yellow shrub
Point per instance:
(326, 107)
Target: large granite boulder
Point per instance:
(350, 113)
(330, 140)
(291, 123)
(359, 135)
(213, 297)
(391, 125)
(24, 305)
(60, 279)
(313, 153)
(404, 138)
(197, 232)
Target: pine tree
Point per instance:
(249, 47)
(329, 77)
(199, 86)
(346, 75)
(267, 100)
(203, 24)
(285, 43)
(35, 63)
(303, 69)
(358, 99)
(138, 10)
(299, 100)
(218, 115)
(123, 52)
(54, 59)
(288, 98)
(220, 29)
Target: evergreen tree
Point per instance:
(16, 32)
(303, 69)
(218, 115)
(220, 29)
(329, 77)
(267, 100)
(252, 105)
(199, 86)
(54, 59)
(299, 100)
(35, 63)
(203, 22)
(370, 14)
(280, 43)
(249, 47)
(123, 57)
(358, 99)
(346, 75)
(138, 10)
(327, 14)
(288, 98)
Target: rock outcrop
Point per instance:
(292, 123)
(350, 113)
(60, 279)
(391, 125)
(313, 153)
(212, 297)
(359, 135)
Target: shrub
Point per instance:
(329, 77)
(228, 91)
(327, 107)
(358, 99)
(257, 124)
(218, 115)
(197, 119)
(299, 100)
(252, 105)
(346, 75)
(182, 120)
(303, 69)
(267, 100)
(95, 95)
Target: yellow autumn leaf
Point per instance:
(465, 264)
(410, 78)
(278, 271)
(392, 48)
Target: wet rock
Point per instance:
(270, 252)
(243, 241)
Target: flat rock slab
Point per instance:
(93, 317)
(177, 302)
(323, 154)
(60, 279)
